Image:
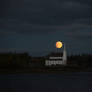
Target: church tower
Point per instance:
(64, 55)
(57, 59)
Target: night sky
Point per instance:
(34, 26)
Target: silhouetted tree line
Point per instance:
(84, 60)
(18, 60)
(14, 60)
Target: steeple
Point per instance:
(64, 55)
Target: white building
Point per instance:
(57, 60)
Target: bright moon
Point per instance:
(59, 44)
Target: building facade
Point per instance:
(57, 59)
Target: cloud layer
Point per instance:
(68, 20)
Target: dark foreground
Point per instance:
(69, 82)
(44, 70)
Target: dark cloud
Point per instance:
(83, 35)
(27, 21)
(11, 8)
(15, 26)
(55, 12)
(47, 12)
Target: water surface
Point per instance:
(70, 82)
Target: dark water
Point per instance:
(73, 82)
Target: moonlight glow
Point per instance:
(59, 44)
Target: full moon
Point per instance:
(59, 44)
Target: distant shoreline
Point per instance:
(42, 71)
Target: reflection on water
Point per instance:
(73, 82)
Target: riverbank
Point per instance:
(43, 70)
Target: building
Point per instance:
(57, 58)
